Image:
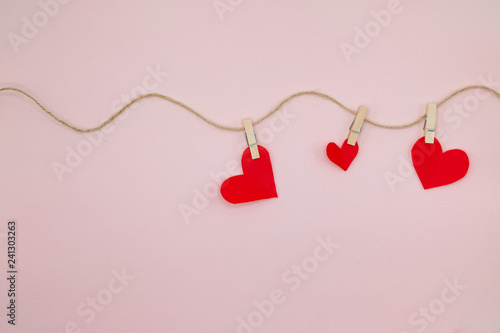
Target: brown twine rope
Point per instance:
(229, 128)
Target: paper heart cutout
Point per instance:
(342, 156)
(256, 182)
(435, 168)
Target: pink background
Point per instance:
(119, 208)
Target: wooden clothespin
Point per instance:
(430, 123)
(251, 139)
(356, 125)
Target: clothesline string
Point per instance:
(229, 128)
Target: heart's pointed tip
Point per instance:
(235, 202)
(345, 166)
(225, 197)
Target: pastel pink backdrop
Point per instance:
(120, 207)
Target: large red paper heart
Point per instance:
(256, 182)
(435, 168)
(342, 156)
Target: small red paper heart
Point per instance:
(342, 156)
(256, 182)
(435, 168)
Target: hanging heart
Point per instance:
(435, 168)
(342, 156)
(256, 182)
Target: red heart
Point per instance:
(256, 182)
(342, 156)
(435, 168)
